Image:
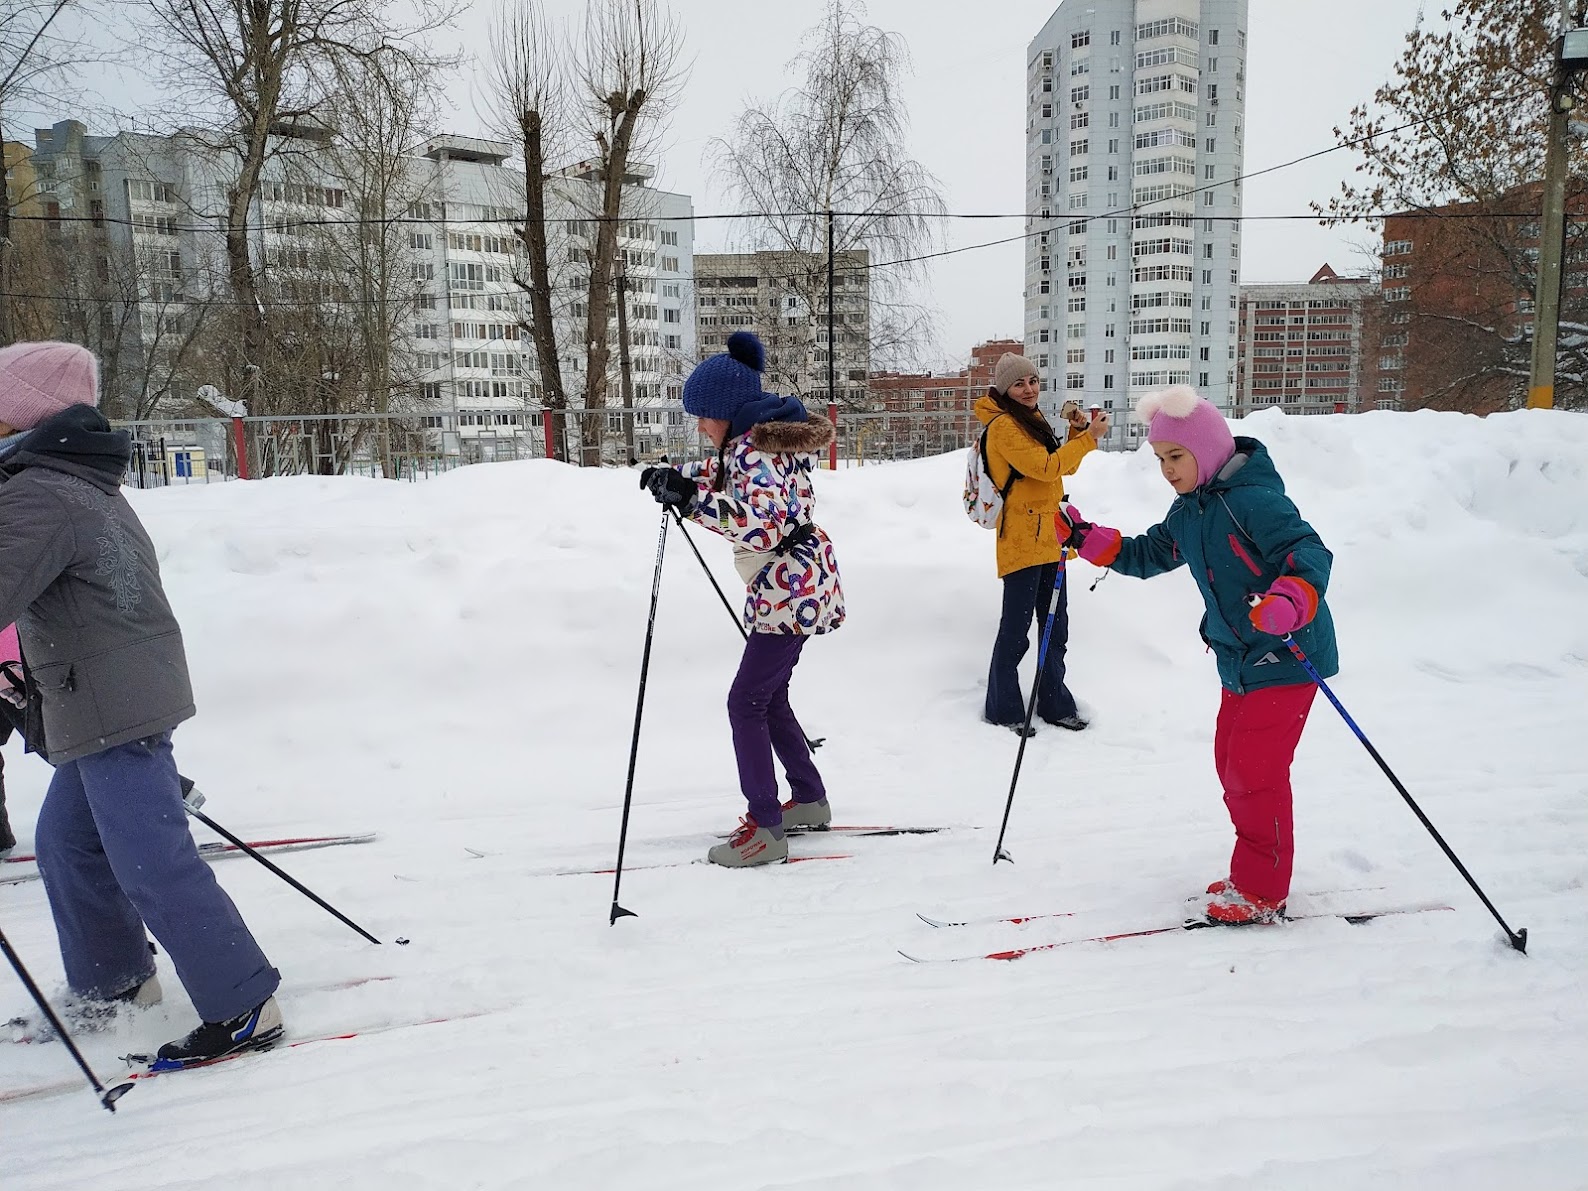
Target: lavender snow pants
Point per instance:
(116, 854)
(763, 722)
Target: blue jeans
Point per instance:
(1026, 596)
(116, 855)
(763, 722)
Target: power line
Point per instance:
(1135, 210)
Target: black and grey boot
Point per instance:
(258, 1029)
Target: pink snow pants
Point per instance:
(1253, 745)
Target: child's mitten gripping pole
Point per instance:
(1517, 938)
(811, 743)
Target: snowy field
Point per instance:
(454, 664)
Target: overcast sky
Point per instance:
(1309, 62)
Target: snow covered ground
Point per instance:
(454, 664)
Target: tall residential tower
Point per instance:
(1134, 149)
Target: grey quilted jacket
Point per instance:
(78, 576)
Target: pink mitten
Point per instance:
(1288, 604)
(1099, 544)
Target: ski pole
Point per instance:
(1517, 938)
(810, 743)
(192, 799)
(639, 710)
(1031, 707)
(107, 1097)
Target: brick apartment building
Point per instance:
(1302, 347)
(1457, 289)
(925, 413)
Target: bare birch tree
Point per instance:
(835, 146)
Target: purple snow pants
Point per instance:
(763, 723)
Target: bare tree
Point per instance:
(599, 98)
(379, 115)
(1453, 146)
(629, 75)
(529, 94)
(833, 149)
(34, 54)
(263, 68)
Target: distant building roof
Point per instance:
(466, 148)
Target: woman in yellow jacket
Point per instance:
(1029, 546)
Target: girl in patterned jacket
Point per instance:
(757, 493)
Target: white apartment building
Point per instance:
(155, 202)
(484, 365)
(1134, 151)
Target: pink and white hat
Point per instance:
(1180, 415)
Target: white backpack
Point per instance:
(984, 500)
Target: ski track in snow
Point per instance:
(454, 663)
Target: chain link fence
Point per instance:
(169, 452)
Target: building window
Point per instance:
(1083, 38)
(1399, 293)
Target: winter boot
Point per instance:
(750, 845)
(1073, 722)
(1230, 907)
(88, 1015)
(807, 816)
(1019, 729)
(258, 1029)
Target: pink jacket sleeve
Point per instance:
(10, 648)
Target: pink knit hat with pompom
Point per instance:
(1179, 415)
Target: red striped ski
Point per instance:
(853, 829)
(1356, 919)
(213, 850)
(122, 1084)
(636, 868)
(1021, 921)
(28, 1031)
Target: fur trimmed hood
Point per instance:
(792, 438)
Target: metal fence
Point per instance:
(415, 446)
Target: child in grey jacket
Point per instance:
(106, 683)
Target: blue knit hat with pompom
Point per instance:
(728, 387)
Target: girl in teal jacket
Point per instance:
(1233, 526)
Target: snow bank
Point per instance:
(454, 664)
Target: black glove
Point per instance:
(669, 486)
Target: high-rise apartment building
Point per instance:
(1134, 150)
(154, 254)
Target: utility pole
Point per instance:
(626, 379)
(1571, 57)
(832, 346)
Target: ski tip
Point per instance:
(914, 959)
(935, 921)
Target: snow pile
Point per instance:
(454, 663)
